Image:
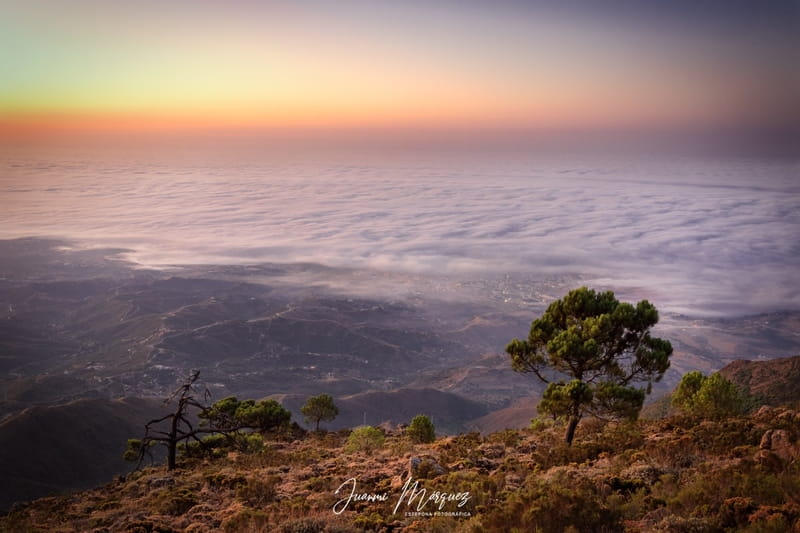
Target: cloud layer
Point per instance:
(703, 236)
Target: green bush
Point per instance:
(710, 397)
(365, 439)
(421, 429)
(134, 450)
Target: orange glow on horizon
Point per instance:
(547, 112)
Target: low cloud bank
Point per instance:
(705, 237)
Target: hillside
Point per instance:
(774, 382)
(673, 475)
(45, 450)
(449, 412)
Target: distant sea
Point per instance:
(697, 235)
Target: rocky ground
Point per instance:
(677, 474)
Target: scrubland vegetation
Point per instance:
(683, 473)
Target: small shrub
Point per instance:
(304, 456)
(541, 423)
(554, 507)
(330, 440)
(421, 429)
(250, 442)
(681, 524)
(461, 448)
(224, 480)
(246, 520)
(303, 525)
(365, 439)
(312, 525)
(400, 445)
(369, 522)
(257, 491)
(319, 484)
(268, 456)
(509, 437)
(174, 503)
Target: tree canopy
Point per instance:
(227, 418)
(233, 414)
(319, 408)
(604, 348)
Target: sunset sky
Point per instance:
(98, 65)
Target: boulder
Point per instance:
(424, 467)
(780, 442)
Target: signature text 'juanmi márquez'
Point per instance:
(412, 492)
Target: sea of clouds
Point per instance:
(703, 236)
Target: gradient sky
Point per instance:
(569, 65)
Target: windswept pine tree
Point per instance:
(604, 350)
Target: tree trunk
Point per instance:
(573, 423)
(317, 425)
(172, 445)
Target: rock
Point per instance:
(514, 480)
(161, 482)
(389, 428)
(493, 451)
(779, 442)
(485, 465)
(765, 413)
(789, 416)
(769, 461)
(424, 467)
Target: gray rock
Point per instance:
(424, 467)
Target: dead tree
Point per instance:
(227, 417)
(179, 427)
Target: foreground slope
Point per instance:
(677, 474)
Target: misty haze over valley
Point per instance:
(703, 237)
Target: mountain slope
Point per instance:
(774, 382)
(449, 412)
(674, 475)
(77, 445)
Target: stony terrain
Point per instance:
(673, 475)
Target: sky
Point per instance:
(87, 66)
